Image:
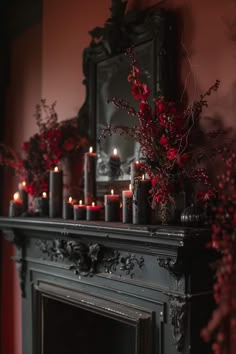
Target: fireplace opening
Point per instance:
(69, 321)
(68, 329)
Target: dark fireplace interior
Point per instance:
(69, 329)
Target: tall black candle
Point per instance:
(89, 176)
(55, 193)
(23, 195)
(141, 205)
(136, 170)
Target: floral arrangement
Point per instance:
(45, 149)
(222, 326)
(168, 136)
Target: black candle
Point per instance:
(112, 207)
(92, 212)
(89, 176)
(41, 205)
(136, 170)
(16, 205)
(23, 195)
(80, 211)
(141, 205)
(68, 211)
(127, 205)
(114, 165)
(55, 193)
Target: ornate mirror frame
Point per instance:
(152, 34)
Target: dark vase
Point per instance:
(193, 215)
(170, 212)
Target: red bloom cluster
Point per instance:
(164, 133)
(44, 150)
(222, 326)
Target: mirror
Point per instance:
(106, 67)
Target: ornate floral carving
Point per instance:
(84, 257)
(174, 266)
(177, 316)
(124, 263)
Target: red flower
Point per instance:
(164, 141)
(69, 144)
(182, 159)
(140, 91)
(25, 146)
(171, 154)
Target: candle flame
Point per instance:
(23, 183)
(91, 149)
(112, 191)
(137, 162)
(44, 195)
(143, 177)
(93, 203)
(56, 169)
(70, 200)
(80, 202)
(115, 151)
(16, 196)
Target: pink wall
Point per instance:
(24, 91)
(207, 49)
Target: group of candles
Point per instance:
(131, 207)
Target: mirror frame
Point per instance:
(120, 32)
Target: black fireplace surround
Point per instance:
(96, 287)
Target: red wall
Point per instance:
(47, 62)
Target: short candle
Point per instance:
(68, 209)
(80, 211)
(22, 187)
(16, 206)
(92, 212)
(112, 207)
(141, 206)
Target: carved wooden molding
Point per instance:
(177, 318)
(21, 264)
(124, 263)
(86, 258)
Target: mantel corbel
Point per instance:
(20, 242)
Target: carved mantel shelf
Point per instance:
(162, 268)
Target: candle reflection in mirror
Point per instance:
(114, 165)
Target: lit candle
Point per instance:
(112, 207)
(92, 212)
(80, 211)
(127, 201)
(41, 205)
(68, 208)
(114, 164)
(23, 195)
(55, 192)
(141, 205)
(90, 176)
(16, 205)
(136, 170)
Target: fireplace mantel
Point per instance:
(163, 270)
